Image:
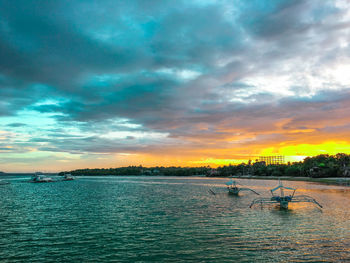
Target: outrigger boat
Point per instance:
(234, 189)
(282, 199)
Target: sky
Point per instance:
(109, 83)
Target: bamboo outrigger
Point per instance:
(282, 199)
(234, 189)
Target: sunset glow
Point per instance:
(194, 83)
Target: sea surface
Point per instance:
(168, 219)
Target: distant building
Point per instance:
(277, 159)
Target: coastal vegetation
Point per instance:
(140, 170)
(319, 166)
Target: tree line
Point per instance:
(140, 170)
(319, 166)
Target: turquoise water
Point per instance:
(168, 219)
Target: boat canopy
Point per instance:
(283, 187)
(231, 182)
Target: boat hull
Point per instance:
(233, 191)
(284, 204)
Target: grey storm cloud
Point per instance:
(167, 67)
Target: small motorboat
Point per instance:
(2, 182)
(40, 178)
(67, 177)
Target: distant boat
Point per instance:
(2, 182)
(68, 177)
(40, 178)
(234, 189)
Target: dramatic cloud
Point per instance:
(110, 83)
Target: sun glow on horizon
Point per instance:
(129, 85)
(329, 147)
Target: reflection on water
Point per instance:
(147, 219)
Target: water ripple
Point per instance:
(162, 219)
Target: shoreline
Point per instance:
(339, 181)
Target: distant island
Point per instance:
(319, 166)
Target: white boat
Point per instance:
(3, 182)
(68, 177)
(40, 178)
